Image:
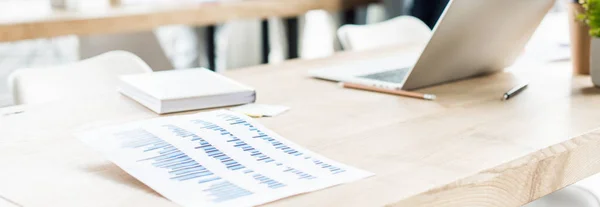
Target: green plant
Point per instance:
(591, 16)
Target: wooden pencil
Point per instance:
(388, 91)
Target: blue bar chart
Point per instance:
(217, 159)
(179, 165)
(225, 159)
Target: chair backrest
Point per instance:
(84, 78)
(404, 30)
(143, 44)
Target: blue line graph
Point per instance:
(235, 120)
(217, 154)
(238, 143)
(180, 166)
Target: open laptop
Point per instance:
(472, 38)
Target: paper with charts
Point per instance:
(217, 158)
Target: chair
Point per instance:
(567, 197)
(404, 30)
(80, 79)
(143, 44)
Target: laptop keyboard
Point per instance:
(392, 76)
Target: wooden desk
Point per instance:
(466, 149)
(140, 18)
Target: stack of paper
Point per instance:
(217, 158)
(183, 90)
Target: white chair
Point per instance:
(80, 79)
(143, 44)
(568, 197)
(584, 193)
(404, 30)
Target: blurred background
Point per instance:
(225, 46)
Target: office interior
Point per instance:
(231, 45)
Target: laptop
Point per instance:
(472, 38)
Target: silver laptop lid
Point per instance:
(476, 37)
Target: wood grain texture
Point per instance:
(520, 181)
(468, 148)
(140, 18)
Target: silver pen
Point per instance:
(514, 91)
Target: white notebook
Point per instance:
(184, 90)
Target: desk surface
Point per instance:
(29, 25)
(466, 149)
